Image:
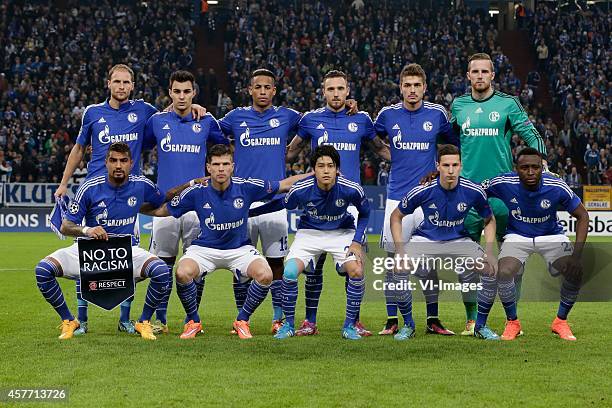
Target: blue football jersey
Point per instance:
(327, 210)
(102, 125)
(532, 213)
(113, 208)
(342, 131)
(413, 137)
(223, 215)
(445, 210)
(260, 140)
(181, 146)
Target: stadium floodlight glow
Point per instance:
(213, 2)
(493, 12)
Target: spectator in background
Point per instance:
(79, 173)
(383, 174)
(591, 157)
(542, 51)
(573, 179)
(593, 177)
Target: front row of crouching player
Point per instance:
(326, 226)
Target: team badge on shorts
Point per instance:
(196, 127)
(353, 127)
(427, 126)
(133, 118)
(238, 203)
(73, 208)
(545, 204)
(175, 201)
(339, 202)
(132, 201)
(461, 207)
(274, 123)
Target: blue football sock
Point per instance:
(199, 283)
(486, 298)
(277, 299)
(124, 309)
(82, 305)
(187, 294)
(431, 292)
(507, 296)
(46, 273)
(390, 297)
(354, 296)
(256, 294)
(569, 294)
(162, 310)
(290, 294)
(159, 276)
(403, 298)
(313, 287)
(240, 292)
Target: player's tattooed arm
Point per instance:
(174, 191)
(295, 147)
(379, 147)
(75, 157)
(71, 229)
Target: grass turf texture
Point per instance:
(108, 369)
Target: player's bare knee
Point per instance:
(354, 270)
(261, 273)
(187, 270)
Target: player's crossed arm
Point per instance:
(71, 229)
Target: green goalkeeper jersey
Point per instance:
(485, 128)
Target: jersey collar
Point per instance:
(482, 100)
(186, 118)
(125, 106)
(414, 112)
(331, 112)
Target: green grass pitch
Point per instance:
(108, 369)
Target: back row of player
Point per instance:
(261, 133)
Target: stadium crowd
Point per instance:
(54, 64)
(46, 81)
(574, 50)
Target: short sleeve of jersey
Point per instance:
(568, 199)
(84, 137)
(302, 130)
(294, 119)
(411, 201)
(77, 208)
(215, 135)
(379, 124)
(149, 110)
(369, 132)
(261, 189)
(184, 202)
(481, 205)
(152, 194)
(149, 140)
(225, 123)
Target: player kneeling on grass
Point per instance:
(533, 198)
(222, 207)
(109, 204)
(446, 202)
(324, 227)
